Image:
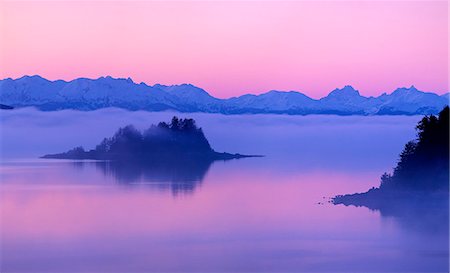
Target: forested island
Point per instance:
(178, 141)
(5, 107)
(421, 178)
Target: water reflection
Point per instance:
(241, 220)
(178, 177)
(424, 218)
(423, 215)
(421, 211)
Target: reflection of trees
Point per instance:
(177, 176)
(426, 213)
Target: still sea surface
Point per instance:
(253, 214)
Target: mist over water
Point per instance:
(253, 214)
(314, 140)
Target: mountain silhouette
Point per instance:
(90, 94)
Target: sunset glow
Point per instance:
(232, 48)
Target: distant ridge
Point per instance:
(91, 94)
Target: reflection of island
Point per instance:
(417, 191)
(179, 142)
(177, 177)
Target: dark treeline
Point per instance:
(5, 107)
(180, 137)
(178, 140)
(423, 163)
(421, 174)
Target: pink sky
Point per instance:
(231, 48)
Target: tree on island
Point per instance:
(424, 163)
(181, 136)
(422, 169)
(179, 140)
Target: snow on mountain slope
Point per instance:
(411, 100)
(107, 92)
(89, 94)
(30, 90)
(83, 94)
(271, 102)
(348, 99)
(191, 98)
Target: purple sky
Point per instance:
(231, 48)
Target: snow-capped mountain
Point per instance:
(90, 94)
(410, 100)
(83, 94)
(347, 101)
(271, 102)
(189, 98)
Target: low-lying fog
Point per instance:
(351, 141)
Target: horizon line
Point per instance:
(242, 94)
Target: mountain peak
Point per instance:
(187, 93)
(348, 88)
(347, 91)
(183, 85)
(32, 77)
(276, 92)
(402, 90)
(111, 79)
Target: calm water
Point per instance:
(255, 214)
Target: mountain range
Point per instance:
(90, 94)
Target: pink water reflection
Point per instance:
(241, 220)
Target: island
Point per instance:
(5, 107)
(179, 141)
(419, 183)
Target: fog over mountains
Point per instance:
(90, 94)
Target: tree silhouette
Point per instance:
(423, 163)
(417, 192)
(422, 172)
(180, 140)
